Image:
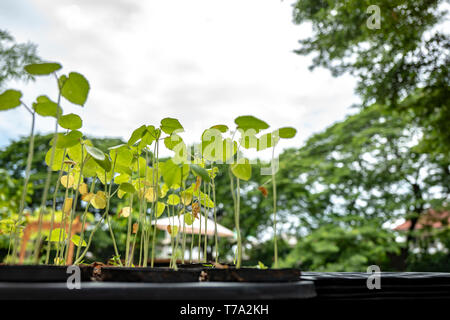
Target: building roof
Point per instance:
(432, 218)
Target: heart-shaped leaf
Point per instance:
(95, 153)
(40, 69)
(67, 181)
(242, 169)
(10, 99)
(137, 134)
(76, 241)
(161, 206)
(70, 121)
(200, 172)
(250, 122)
(127, 187)
(75, 88)
(221, 127)
(173, 200)
(287, 132)
(188, 218)
(46, 107)
(169, 125)
(68, 140)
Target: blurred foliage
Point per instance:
(349, 244)
(403, 64)
(13, 57)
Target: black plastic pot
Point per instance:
(251, 275)
(158, 291)
(394, 286)
(156, 275)
(40, 273)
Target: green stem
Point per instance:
(47, 184)
(155, 195)
(236, 200)
(216, 240)
(25, 183)
(74, 204)
(205, 245)
(274, 189)
(130, 218)
(83, 226)
(52, 220)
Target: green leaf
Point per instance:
(221, 127)
(137, 134)
(189, 218)
(46, 107)
(76, 240)
(75, 88)
(127, 187)
(172, 141)
(90, 168)
(173, 199)
(169, 125)
(160, 207)
(201, 172)
(154, 132)
(105, 164)
(70, 121)
(205, 200)
(10, 99)
(146, 140)
(242, 169)
(68, 140)
(250, 122)
(122, 156)
(287, 132)
(58, 235)
(170, 172)
(123, 177)
(95, 153)
(57, 158)
(75, 153)
(142, 164)
(39, 69)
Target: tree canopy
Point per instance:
(403, 64)
(13, 57)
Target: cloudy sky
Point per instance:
(204, 62)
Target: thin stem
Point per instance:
(205, 248)
(155, 195)
(74, 204)
(52, 220)
(83, 226)
(130, 218)
(90, 237)
(25, 183)
(274, 189)
(215, 221)
(47, 183)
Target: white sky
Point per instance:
(204, 62)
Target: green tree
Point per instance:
(13, 57)
(362, 172)
(403, 64)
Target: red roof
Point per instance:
(431, 218)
